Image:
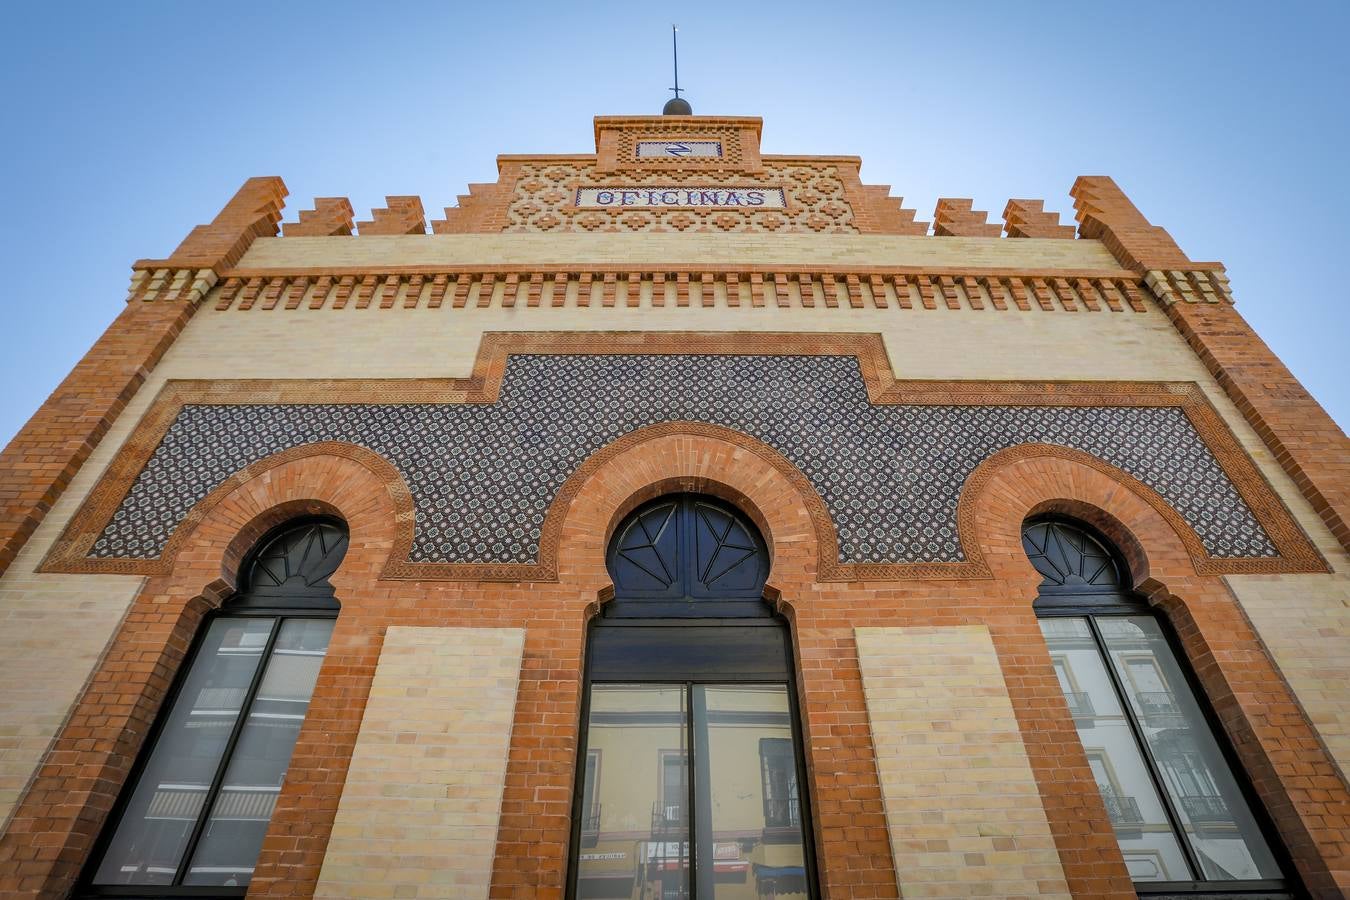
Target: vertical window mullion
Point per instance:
(209, 802)
(1146, 753)
(691, 797)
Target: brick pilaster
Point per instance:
(1307, 442)
(44, 456)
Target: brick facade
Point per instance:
(882, 827)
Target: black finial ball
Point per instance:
(677, 106)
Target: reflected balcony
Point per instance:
(1159, 709)
(1206, 809)
(785, 813)
(1080, 704)
(1122, 809)
(590, 827)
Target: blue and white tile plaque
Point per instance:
(753, 197)
(679, 149)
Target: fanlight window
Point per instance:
(1184, 820)
(296, 564)
(195, 811)
(687, 548)
(1070, 559)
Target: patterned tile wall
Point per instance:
(545, 201)
(482, 476)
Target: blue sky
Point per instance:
(126, 124)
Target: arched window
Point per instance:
(199, 802)
(1182, 816)
(691, 782)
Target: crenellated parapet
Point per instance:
(330, 217)
(954, 217)
(1105, 213)
(253, 212)
(1028, 219)
(403, 215)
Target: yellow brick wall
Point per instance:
(1304, 621)
(53, 631)
(673, 247)
(962, 806)
(426, 778)
(53, 627)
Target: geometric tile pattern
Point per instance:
(545, 196)
(482, 476)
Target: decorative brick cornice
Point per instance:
(70, 554)
(170, 285)
(563, 284)
(1177, 286)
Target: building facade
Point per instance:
(673, 521)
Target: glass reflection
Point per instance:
(154, 830)
(1147, 839)
(749, 823)
(234, 832)
(635, 827)
(747, 816)
(1216, 818)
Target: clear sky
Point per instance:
(125, 124)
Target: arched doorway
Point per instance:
(691, 777)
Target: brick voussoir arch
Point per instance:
(330, 477)
(1030, 479)
(1272, 736)
(694, 457)
(767, 488)
(49, 836)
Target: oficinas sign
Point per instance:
(653, 197)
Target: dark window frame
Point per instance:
(670, 623)
(272, 605)
(1096, 601)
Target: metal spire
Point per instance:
(675, 55)
(677, 106)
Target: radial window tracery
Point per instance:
(687, 547)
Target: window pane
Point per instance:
(234, 832)
(1203, 791)
(750, 835)
(635, 835)
(1147, 839)
(148, 844)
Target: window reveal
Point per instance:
(1178, 810)
(199, 806)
